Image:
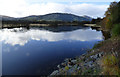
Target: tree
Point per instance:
(111, 15)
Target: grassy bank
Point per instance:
(103, 59)
(110, 62)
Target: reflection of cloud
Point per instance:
(6, 49)
(15, 48)
(13, 38)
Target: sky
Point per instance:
(22, 8)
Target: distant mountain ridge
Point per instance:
(3, 17)
(51, 17)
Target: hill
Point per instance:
(51, 17)
(3, 17)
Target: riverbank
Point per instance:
(86, 64)
(103, 59)
(14, 24)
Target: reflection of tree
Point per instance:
(106, 34)
(95, 28)
(62, 28)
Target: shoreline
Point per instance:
(82, 65)
(97, 61)
(46, 25)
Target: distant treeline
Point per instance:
(96, 21)
(23, 23)
(43, 22)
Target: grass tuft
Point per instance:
(110, 65)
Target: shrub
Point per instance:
(110, 65)
(116, 30)
(109, 24)
(97, 45)
(66, 68)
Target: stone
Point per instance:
(78, 68)
(69, 66)
(58, 66)
(66, 60)
(55, 72)
(63, 64)
(73, 61)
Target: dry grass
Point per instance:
(110, 65)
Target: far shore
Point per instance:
(45, 25)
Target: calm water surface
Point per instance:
(38, 51)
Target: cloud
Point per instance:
(21, 38)
(36, 1)
(21, 8)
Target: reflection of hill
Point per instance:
(62, 28)
(21, 36)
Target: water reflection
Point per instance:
(21, 36)
(62, 28)
(39, 50)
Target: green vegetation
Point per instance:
(66, 68)
(116, 30)
(98, 45)
(110, 65)
(112, 19)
